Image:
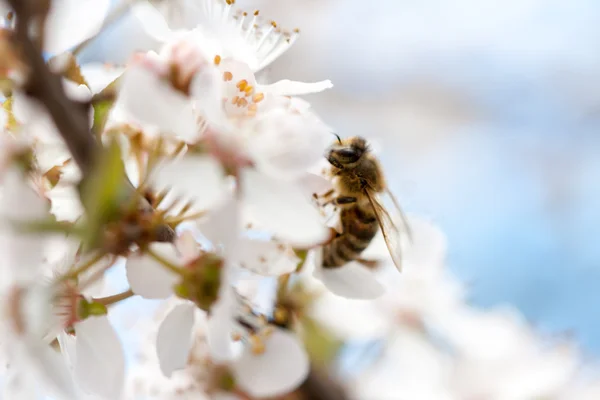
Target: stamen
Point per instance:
(235, 100)
(249, 89)
(258, 97)
(242, 102)
(217, 59)
(257, 345)
(241, 85)
(227, 76)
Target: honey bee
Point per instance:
(358, 182)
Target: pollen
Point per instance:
(257, 345)
(280, 315)
(274, 24)
(256, 13)
(227, 76)
(217, 59)
(258, 97)
(241, 85)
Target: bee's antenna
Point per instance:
(338, 138)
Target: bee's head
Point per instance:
(347, 153)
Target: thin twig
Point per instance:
(70, 118)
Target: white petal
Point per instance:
(65, 203)
(315, 184)
(187, 246)
(267, 257)
(151, 101)
(286, 87)
(152, 21)
(288, 143)
(149, 278)
(197, 178)
(220, 326)
(49, 155)
(70, 22)
(222, 225)
(174, 339)
(100, 75)
(352, 281)
(48, 368)
(280, 369)
(100, 362)
(282, 208)
(19, 203)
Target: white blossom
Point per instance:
(25, 302)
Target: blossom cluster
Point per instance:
(203, 190)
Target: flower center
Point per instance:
(253, 329)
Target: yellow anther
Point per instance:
(258, 97)
(242, 102)
(217, 59)
(230, 2)
(227, 76)
(241, 85)
(249, 89)
(280, 315)
(236, 336)
(296, 30)
(235, 100)
(274, 24)
(256, 13)
(257, 345)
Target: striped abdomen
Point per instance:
(359, 228)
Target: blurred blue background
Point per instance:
(487, 116)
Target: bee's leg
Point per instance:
(338, 201)
(325, 196)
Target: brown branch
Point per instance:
(70, 118)
(46, 87)
(318, 386)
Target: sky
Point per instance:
(487, 111)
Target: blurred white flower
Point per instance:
(69, 22)
(26, 303)
(38, 127)
(221, 29)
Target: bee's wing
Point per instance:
(401, 213)
(391, 233)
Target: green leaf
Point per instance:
(101, 111)
(103, 103)
(102, 193)
(322, 346)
